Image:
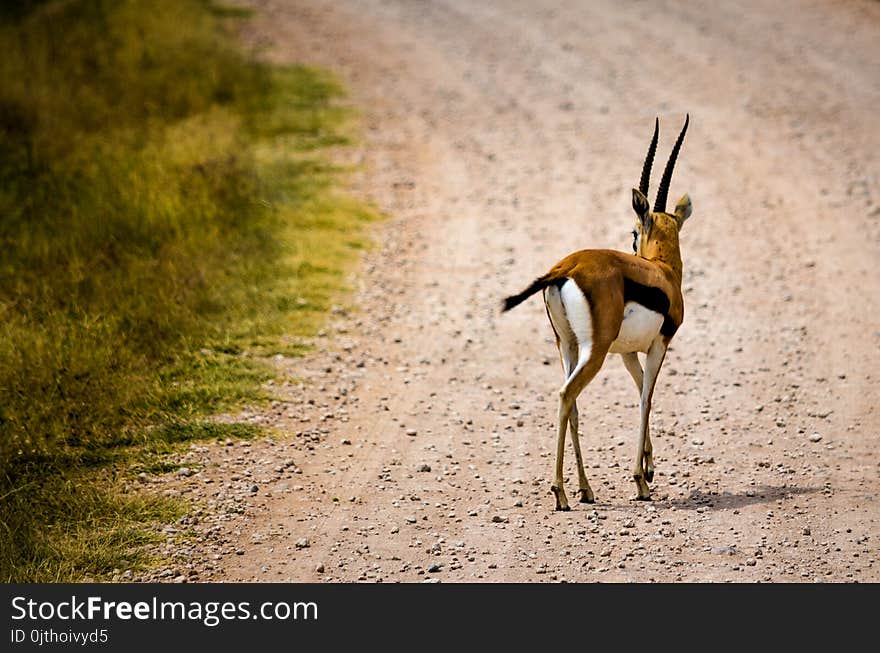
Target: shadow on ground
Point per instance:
(728, 500)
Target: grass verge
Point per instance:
(166, 216)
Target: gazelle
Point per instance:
(600, 301)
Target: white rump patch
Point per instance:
(577, 309)
(639, 329)
(570, 314)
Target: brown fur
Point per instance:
(600, 274)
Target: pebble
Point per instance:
(498, 519)
(253, 489)
(320, 568)
(425, 468)
(303, 543)
(815, 437)
(434, 568)
(412, 432)
(751, 562)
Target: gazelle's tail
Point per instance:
(538, 284)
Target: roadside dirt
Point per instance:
(499, 137)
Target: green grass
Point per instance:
(167, 219)
(74, 524)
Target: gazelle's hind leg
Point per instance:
(653, 362)
(585, 492)
(569, 315)
(589, 363)
(631, 362)
(568, 353)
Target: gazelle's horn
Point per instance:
(649, 161)
(660, 203)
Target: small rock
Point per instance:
(346, 441)
(751, 562)
(434, 568)
(518, 504)
(320, 568)
(815, 437)
(412, 432)
(411, 519)
(806, 531)
(185, 471)
(425, 468)
(253, 489)
(303, 543)
(498, 519)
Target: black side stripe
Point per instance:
(653, 299)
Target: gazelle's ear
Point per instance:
(683, 209)
(642, 209)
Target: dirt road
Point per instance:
(498, 137)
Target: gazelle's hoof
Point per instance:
(586, 496)
(561, 500)
(644, 492)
